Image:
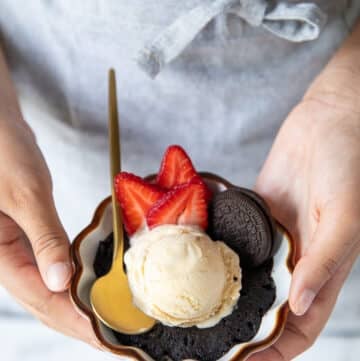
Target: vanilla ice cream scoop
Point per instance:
(181, 277)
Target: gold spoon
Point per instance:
(110, 296)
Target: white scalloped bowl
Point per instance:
(84, 250)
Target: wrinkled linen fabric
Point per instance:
(294, 22)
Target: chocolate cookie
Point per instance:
(266, 209)
(239, 221)
(164, 343)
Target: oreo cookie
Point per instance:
(266, 209)
(243, 223)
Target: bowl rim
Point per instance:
(134, 353)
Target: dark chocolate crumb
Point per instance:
(102, 262)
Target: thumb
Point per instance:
(335, 238)
(39, 221)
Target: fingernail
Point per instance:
(58, 276)
(304, 302)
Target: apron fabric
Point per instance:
(294, 22)
(216, 76)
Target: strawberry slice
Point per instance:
(185, 204)
(176, 168)
(200, 180)
(136, 198)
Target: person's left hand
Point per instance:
(311, 180)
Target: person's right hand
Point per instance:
(35, 265)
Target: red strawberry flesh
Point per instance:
(176, 168)
(185, 204)
(135, 197)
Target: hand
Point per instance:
(311, 180)
(35, 266)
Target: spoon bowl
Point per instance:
(111, 301)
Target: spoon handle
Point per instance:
(115, 166)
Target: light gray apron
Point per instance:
(293, 22)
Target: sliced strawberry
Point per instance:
(200, 180)
(135, 197)
(176, 168)
(185, 204)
